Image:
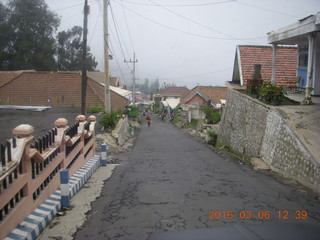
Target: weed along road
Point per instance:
(170, 181)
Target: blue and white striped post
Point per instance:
(64, 187)
(103, 155)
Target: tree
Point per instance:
(69, 51)
(5, 37)
(155, 86)
(32, 43)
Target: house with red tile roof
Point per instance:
(57, 89)
(206, 95)
(247, 56)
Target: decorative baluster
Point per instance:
(4, 183)
(10, 178)
(14, 142)
(2, 155)
(12, 203)
(44, 144)
(50, 137)
(6, 209)
(9, 151)
(40, 145)
(33, 169)
(17, 197)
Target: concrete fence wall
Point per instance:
(29, 170)
(254, 129)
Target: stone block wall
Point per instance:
(243, 124)
(255, 129)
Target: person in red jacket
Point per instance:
(148, 120)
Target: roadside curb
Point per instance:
(36, 222)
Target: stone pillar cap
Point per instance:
(23, 129)
(61, 122)
(92, 118)
(81, 118)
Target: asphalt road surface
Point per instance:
(170, 181)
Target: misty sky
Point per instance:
(187, 42)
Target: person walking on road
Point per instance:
(162, 116)
(148, 120)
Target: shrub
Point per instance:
(133, 112)
(270, 91)
(109, 120)
(95, 109)
(191, 124)
(216, 117)
(211, 115)
(211, 133)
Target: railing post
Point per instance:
(64, 187)
(103, 155)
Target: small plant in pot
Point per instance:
(271, 93)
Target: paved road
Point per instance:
(170, 181)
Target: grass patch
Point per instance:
(192, 124)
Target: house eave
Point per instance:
(296, 32)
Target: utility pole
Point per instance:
(133, 77)
(84, 59)
(107, 100)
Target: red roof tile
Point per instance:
(174, 91)
(55, 89)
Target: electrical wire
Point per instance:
(95, 25)
(125, 18)
(193, 76)
(115, 18)
(181, 5)
(117, 62)
(181, 31)
(269, 10)
(117, 33)
(73, 6)
(126, 64)
(197, 23)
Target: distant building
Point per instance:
(206, 96)
(170, 97)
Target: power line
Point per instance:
(180, 5)
(115, 18)
(118, 64)
(120, 50)
(181, 31)
(269, 10)
(197, 23)
(190, 76)
(73, 6)
(95, 25)
(125, 18)
(117, 32)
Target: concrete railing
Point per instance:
(29, 168)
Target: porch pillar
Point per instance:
(311, 40)
(274, 55)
